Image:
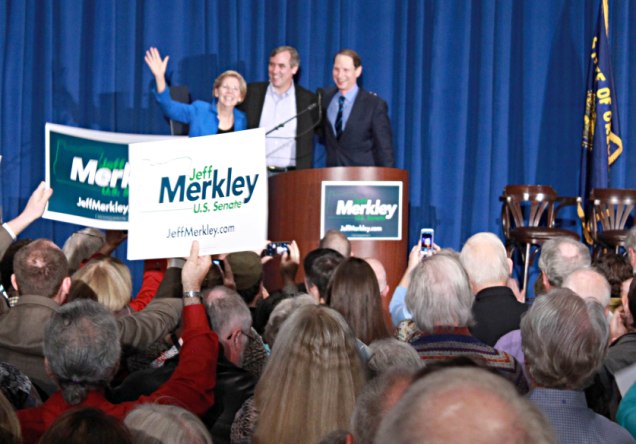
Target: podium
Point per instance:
(294, 214)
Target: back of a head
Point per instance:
(376, 399)
(84, 425)
(561, 256)
(319, 265)
(40, 268)
(390, 352)
(336, 240)
(166, 424)
(81, 345)
(485, 260)
(490, 409)
(312, 379)
(439, 294)
(380, 272)
(81, 245)
(589, 283)
(564, 339)
(353, 291)
(6, 265)
(281, 312)
(109, 279)
(226, 309)
(616, 269)
(10, 431)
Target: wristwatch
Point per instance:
(191, 294)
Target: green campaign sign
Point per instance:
(89, 173)
(362, 209)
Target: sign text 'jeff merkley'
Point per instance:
(365, 207)
(107, 175)
(207, 183)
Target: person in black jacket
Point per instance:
(269, 104)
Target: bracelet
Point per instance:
(192, 294)
(175, 263)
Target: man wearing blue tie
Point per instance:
(357, 130)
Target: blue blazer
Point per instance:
(201, 116)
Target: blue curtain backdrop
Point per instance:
(480, 93)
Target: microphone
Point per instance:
(319, 93)
(311, 106)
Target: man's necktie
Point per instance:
(341, 101)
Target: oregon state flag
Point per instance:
(602, 143)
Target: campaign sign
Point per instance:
(362, 210)
(89, 173)
(212, 189)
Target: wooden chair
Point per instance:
(528, 216)
(611, 215)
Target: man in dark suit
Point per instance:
(268, 104)
(357, 130)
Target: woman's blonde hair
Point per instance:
(109, 279)
(237, 76)
(310, 384)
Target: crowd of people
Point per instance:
(205, 353)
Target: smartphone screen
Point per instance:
(276, 248)
(219, 263)
(427, 239)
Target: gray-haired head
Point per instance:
(81, 346)
(489, 406)
(231, 319)
(561, 256)
(390, 352)
(564, 339)
(281, 312)
(630, 239)
(587, 282)
(158, 424)
(485, 260)
(439, 294)
(227, 310)
(376, 399)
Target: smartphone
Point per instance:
(275, 248)
(219, 263)
(427, 237)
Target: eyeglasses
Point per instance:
(247, 334)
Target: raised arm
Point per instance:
(157, 67)
(32, 211)
(192, 384)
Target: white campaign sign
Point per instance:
(213, 189)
